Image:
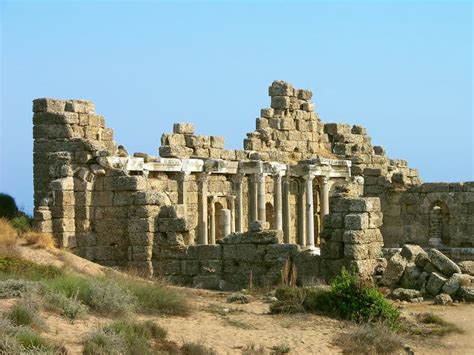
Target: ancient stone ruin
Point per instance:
(316, 196)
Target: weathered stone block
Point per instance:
(375, 219)
(445, 265)
(244, 252)
(126, 183)
(356, 221)
(435, 283)
(209, 252)
(281, 88)
(453, 284)
(267, 112)
(362, 236)
(394, 270)
(217, 142)
(362, 251)
(48, 105)
(171, 225)
(411, 251)
(280, 102)
(332, 250)
(183, 128)
(207, 282)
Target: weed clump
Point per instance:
(8, 234)
(39, 240)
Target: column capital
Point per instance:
(324, 179)
(309, 177)
(183, 176)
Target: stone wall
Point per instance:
(351, 237)
(239, 260)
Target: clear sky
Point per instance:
(401, 69)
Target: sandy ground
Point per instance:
(228, 328)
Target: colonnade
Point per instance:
(232, 217)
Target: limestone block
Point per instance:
(171, 225)
(445, 265)
(356, 221)
(281, 102)
(358, 130)
(217, 142)
(209, 252)
(372, 171)
(60, 118)
(443, 299)
(228, 154)
(308, 106)
(375, 219)
(467, 267)
(183, 128)
(262, 123)
(466, 293)
(435, 283)
(80, 106)
(422, 280)
(61, 225)
(48, 105)
(190, 267)
(243, 252)
(378, 150)
(281, 88)
(304, 94)
(362, 236)
(362, 251)
(335, 128)
(394, 270)
(332, 235)
(136, 225)
(410, 276)
(201, 152)
(287, 124)
(63, 211)
(453, 284)
(211, 267)
(215, 153)
(126, 183)
(267, 112)
(63, 198)
(173, 139)
(411, 251)
(53, 131)
(252, 144)
(167, 151)
(404, 294)
(364, 268)
(421, 259)
(332, 250)
(333, 220)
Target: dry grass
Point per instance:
(8, 234)
(40, 240)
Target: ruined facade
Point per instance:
(181, 213)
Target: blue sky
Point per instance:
(401, 69)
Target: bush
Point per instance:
(108, 297)
(25, 312)
(17, 268)
(371, 339)
(40, 240)
(21, 223)
(238, 297)
(70, 307)
(347, 298)
(8, 208)
(8, 234)
(155, 297)
(104, 343)
(125, 337)
(16, 288)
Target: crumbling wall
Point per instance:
(254, 258)
(351, 237)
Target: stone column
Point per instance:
(301, 213)
(253, 199)
(261, 197)
(277, 202)
(238, 218)
(324, 197)
(212, 220)
(202, 207)
(309, 211)
(182, 190)
(286, 208)
(226, 224)
(231, 204)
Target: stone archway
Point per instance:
(439, 222)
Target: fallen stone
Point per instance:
(435, 283)
(452, 285)
(466, 293)
(410, 276)
(405, 294)
(422, 259)
(411, 251)
(394, 271)
(445, 265)
(257, 226)
(443, 299)
(467, 267)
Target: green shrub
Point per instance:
(70, 307)
(21, 223)
(72, 285)
(25, 312)
(30, 340)
(12, 288)
(281, 349)
(347, 298)
(101, 342)
(155, 297)
(16, 268)
(108, 297)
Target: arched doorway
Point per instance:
(439, 222)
